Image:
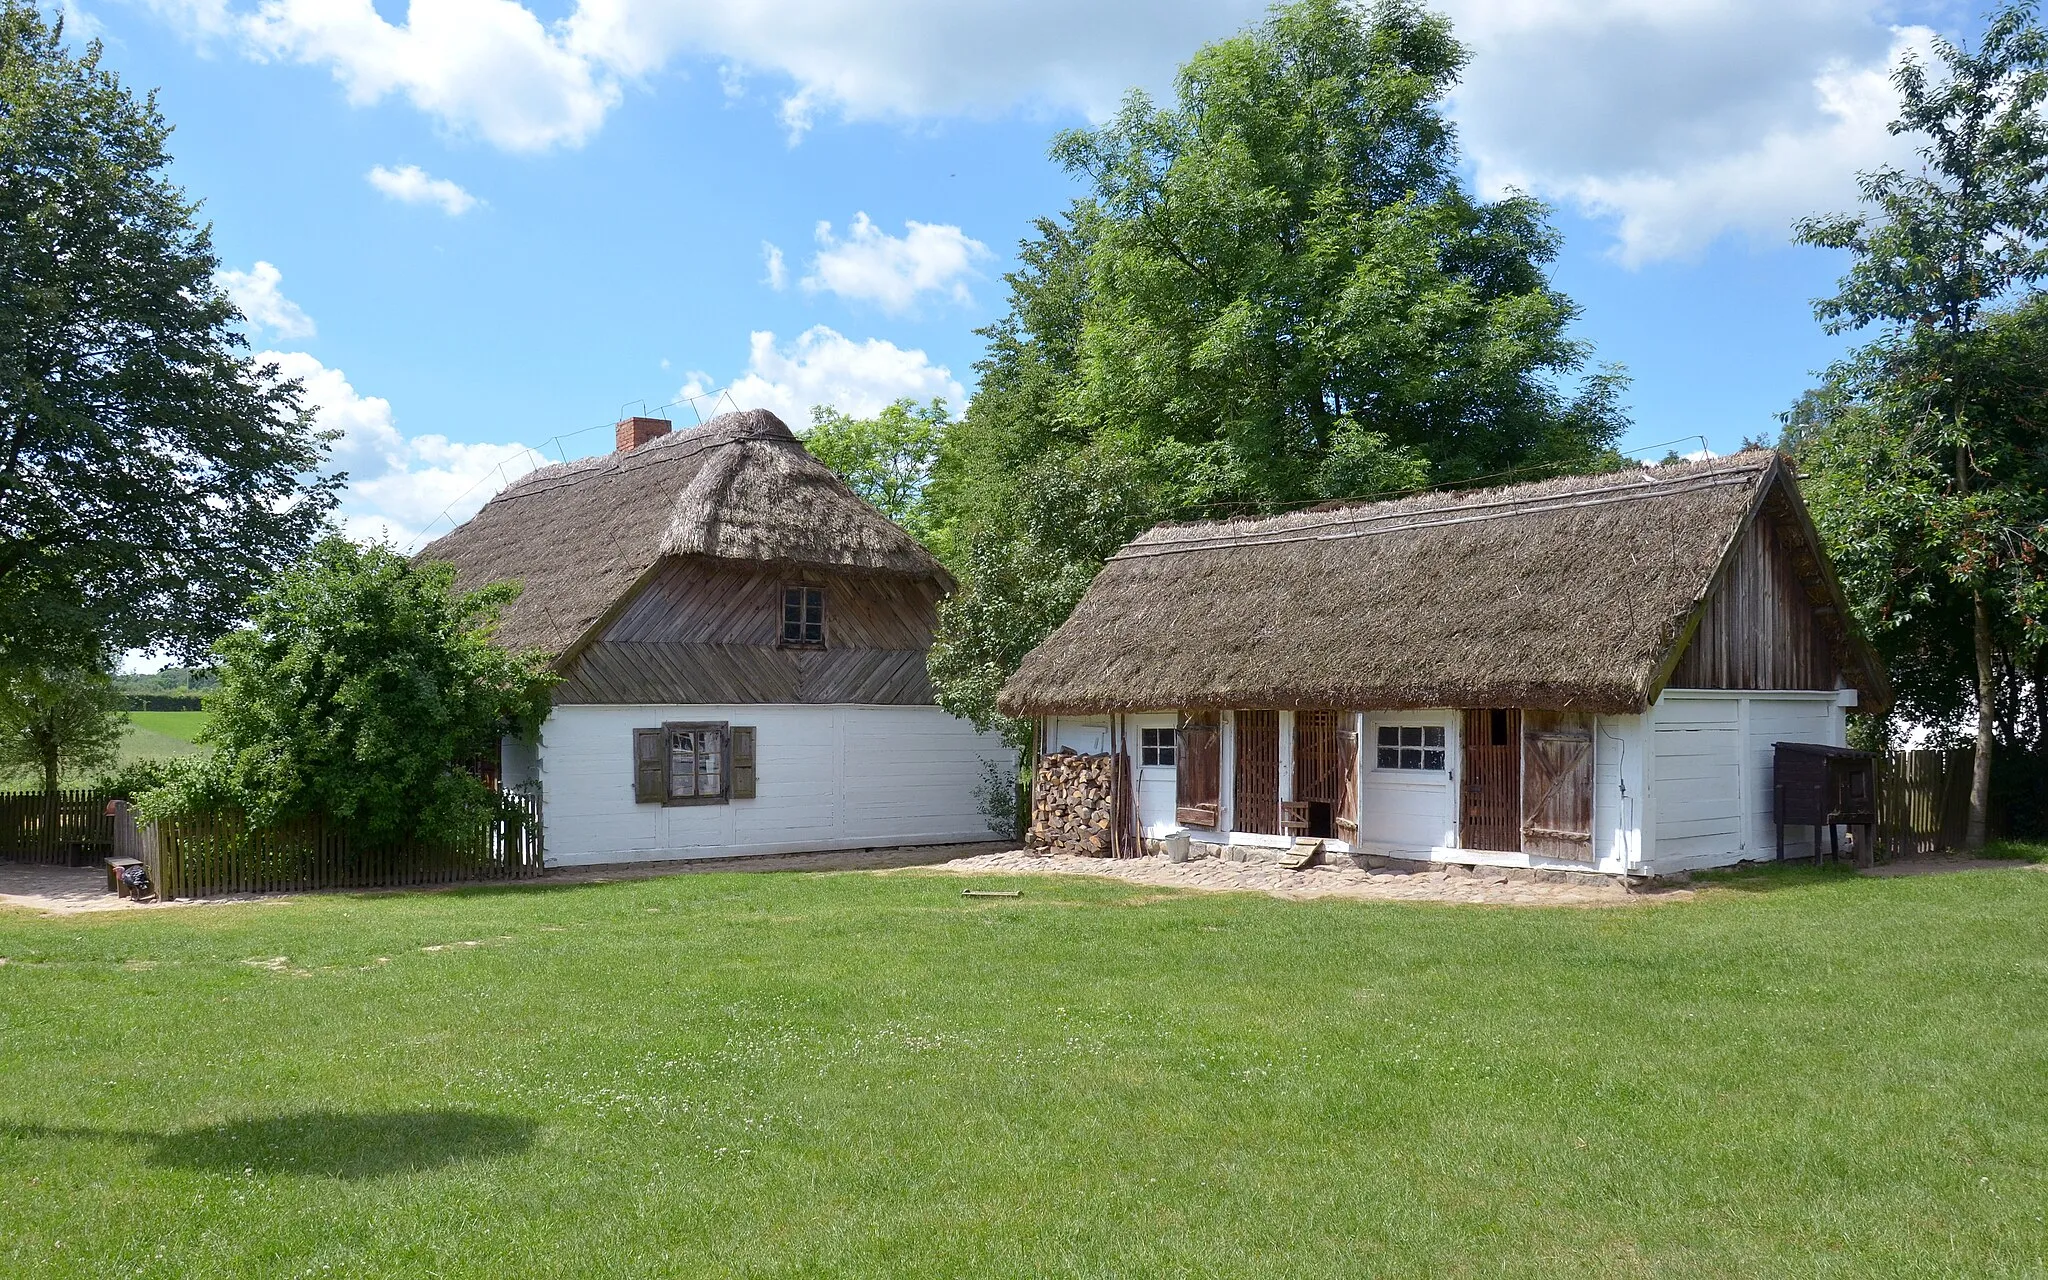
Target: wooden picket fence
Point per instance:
(1923, 802)
(205, 856)
(77, 831)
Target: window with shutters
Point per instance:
(803, 617)
(684, 764)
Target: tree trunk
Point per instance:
(50, 811)
(1980, 772)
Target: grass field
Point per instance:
(1797, 1074)
(152, 735)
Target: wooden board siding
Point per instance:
(1761, 628)
(1557, 785)
(1490, 790)
(1256, 795)
(704, 631)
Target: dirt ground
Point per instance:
(64, 890)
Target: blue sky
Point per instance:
(476, 227)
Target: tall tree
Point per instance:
(1937, 252)
(887, 459)
(151, 474)
(1277, 291)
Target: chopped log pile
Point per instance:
(1073, 805)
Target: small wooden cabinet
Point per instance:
(1821, 786)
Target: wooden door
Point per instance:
(1346, 821)
(1256, 793)
(1557, 785)
(1198, 771)
(1490, 793)
(1319, 768)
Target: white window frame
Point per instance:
(1423, 727)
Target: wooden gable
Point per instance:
(703, 631)
(1773, 617)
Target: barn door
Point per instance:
(1256, 795)
(1490, 790)
(1198, 771)
(1347, 781)
(1557, 785)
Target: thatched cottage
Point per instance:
(741, 641)
(1579, 673)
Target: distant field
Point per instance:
(182, 725)
(152, 735)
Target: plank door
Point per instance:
(1490, 792)
(1557, 785)
(1198, 771)
(1257, 788)
(1346, 821)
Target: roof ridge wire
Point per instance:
(1651, 483)
(1324, 535)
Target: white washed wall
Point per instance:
(1618, 771)
(1712, 770)
(830, 777)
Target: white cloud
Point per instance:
(410, 184)
(484, 67)
(1680, 120)
(408, 489)
(825, 367)
(1683, 120)
(870, 265)
(778, 270)
(256, 294)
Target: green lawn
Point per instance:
(1792, 1075)
(152, 735)
(184, 726)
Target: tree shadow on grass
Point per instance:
(325, 1144)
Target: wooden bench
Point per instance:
(117, 884)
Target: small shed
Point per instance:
(1586, 672)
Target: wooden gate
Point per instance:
(1346, 821)
(1321, 779)
(1490, 793)
(1557, 785)
(1256, 794)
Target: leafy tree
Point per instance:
(887, 459)
(1277, 291)
(360, 686)
(151, 474)
(1940, 419)
(54, 722)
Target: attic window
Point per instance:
(803, 617)
(1411, 746)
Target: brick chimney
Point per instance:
(634, 432)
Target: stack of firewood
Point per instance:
(1073, 805)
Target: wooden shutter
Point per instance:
(1198, 772)
(1344, 814)
(743, 762)
(1557, 785)
(650, 778)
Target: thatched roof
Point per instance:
(1571, 593)
(741, 487)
